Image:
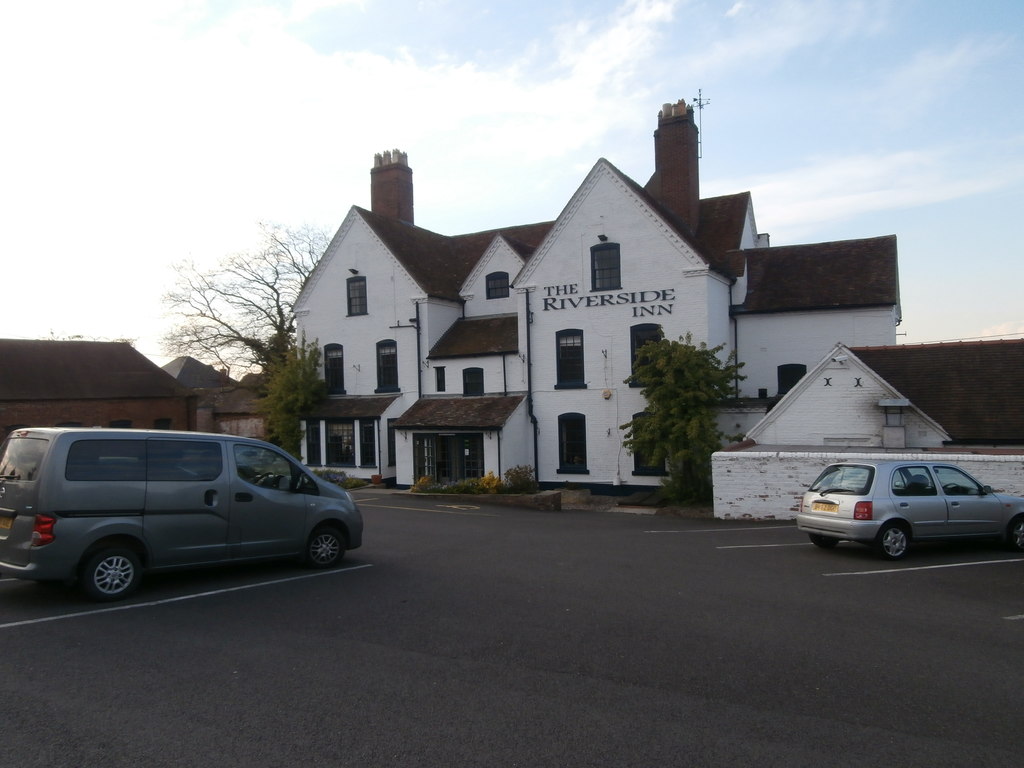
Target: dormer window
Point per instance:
(497, 285)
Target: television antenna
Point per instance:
(700, 102)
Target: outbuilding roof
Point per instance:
(80, 370)
(974, 389)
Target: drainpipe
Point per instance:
(735, 342)
(419, 354)
(529, 389)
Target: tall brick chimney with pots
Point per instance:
(676, 181)
(391, 186)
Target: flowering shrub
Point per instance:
(338, 477)
(489, 483)
(517, 480)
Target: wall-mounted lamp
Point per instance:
(603, 238)
(353, 270)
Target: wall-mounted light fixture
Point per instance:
(603, 238)
(353, 270)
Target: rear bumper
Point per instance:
(38, 571)
(838, 528)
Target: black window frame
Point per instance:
(497, 285)
(570, 359)
(605, 267)
(639, 335)
(314, 455)
(473, 381)
(334, 369)
(355, 289)
(789, 375)
(367, 443)
(338, 452)
(572, 442)
(439, 382)
(387, 366)
(641, 466)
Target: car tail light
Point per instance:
(863, 510)
(42, 532)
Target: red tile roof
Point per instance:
(974, 389)
(469, 337)
(440, 264)
(483, 412)
(80, 370)
(840, 274)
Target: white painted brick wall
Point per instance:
(764, 485)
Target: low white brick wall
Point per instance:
(767, 485)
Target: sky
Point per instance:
(141, 135)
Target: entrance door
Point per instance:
(450, 458)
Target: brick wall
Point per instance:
(143, 413)
(765, 485)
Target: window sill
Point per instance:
(572, 471)
(572, 385)
(383, 390)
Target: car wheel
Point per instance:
(1015, 534)
(825, 542)
(892, 541)
(111, 574)
(326, 547)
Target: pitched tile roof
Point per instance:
(720, 231)
(483, 412)
(845, 273)
(80, 370)
(439, 263)
(196, 375)
(471, 336)
(355, 407)
(975, 390)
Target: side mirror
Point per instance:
(986, 490)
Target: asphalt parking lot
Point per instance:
(464, 635)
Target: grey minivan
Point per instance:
(100, 506)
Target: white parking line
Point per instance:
(765, 546)
(923, 567)
(727, 530)
(151, 603)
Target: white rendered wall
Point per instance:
(767, 341)
(839, 405)
(663, 282)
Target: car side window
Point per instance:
(957, 483)
(263, 467)
(912, 481)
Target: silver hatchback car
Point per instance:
(888, 504)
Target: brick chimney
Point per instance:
(391, 186)
(676, 181)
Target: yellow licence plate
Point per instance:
(824, 506)
(6, 523)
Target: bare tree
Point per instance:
(239, 313)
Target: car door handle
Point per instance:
(243, 496)
(210, 498)
(904, 504)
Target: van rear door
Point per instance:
(21, 458)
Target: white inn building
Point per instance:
(451, 356)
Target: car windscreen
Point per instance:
(20, 457)
(853, 479)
